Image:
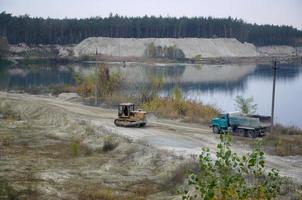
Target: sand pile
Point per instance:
(191, 47)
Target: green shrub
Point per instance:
(230, 176)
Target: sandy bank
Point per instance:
(191, 47)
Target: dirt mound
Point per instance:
(191, 47)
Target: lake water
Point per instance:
(212, 84)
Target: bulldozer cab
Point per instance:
(125, 109)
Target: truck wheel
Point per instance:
(251, 134)
(215, 130)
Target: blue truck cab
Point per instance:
(220, 123)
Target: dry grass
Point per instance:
(97, 194)
(179, 175)
(137, 192)
(189, 111)
(284, 141)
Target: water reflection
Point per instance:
(214, 84)
(30, 76)
(284, 72)
(191, 77)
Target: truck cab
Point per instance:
(219, 123)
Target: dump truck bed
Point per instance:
(249, 121)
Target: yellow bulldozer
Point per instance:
(129, 117)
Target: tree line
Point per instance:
(33, 30)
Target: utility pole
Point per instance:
(273, 94)
(96, 79)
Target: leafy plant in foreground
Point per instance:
(231, 176)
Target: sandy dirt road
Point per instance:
(181, 138)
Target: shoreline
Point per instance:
(210, 61)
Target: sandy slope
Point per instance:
(181, 138)
(128, 47)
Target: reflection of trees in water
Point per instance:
(284, 71)
(36, 77)
(44, 75)
(175, 72)
(212, 87)
(141, 76)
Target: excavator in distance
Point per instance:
(129, 117)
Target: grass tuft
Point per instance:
(75, 147)
(97, 194)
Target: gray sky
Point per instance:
(280, 12)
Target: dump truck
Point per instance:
(129, 117)
(241, 124)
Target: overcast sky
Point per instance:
(280, 12)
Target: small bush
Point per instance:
(6, 140)
(109, 144)
(229, 176)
